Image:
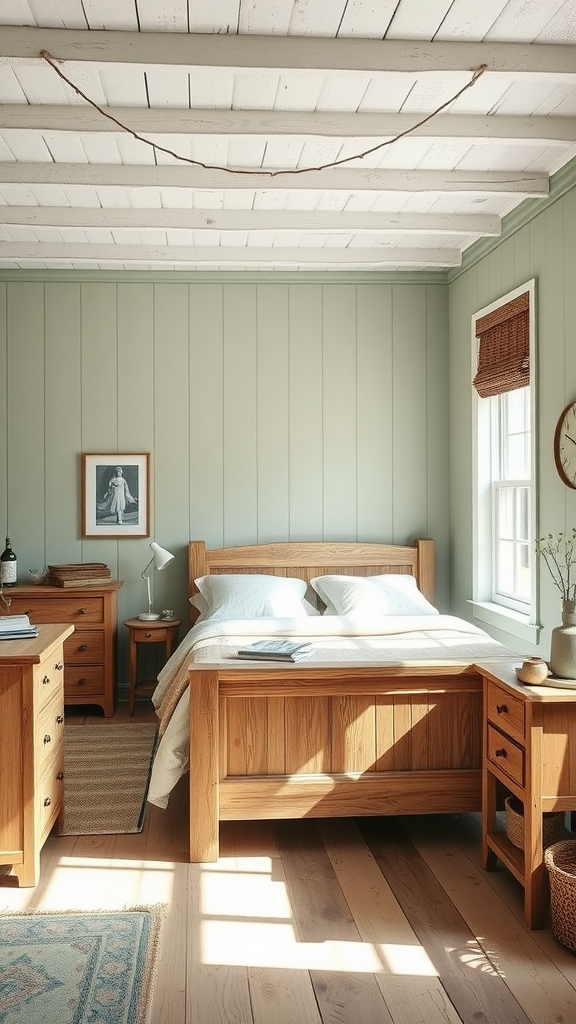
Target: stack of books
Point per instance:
(16, 627)
(78, 574)
(275, 650)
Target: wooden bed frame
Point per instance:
(291, 741)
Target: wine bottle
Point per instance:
(8, 566)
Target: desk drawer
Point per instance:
(68, 608)
(505, 755)
(48, 678)
(83, 681)
(506, 711)
(84, 647)
(49, 731)
(50, 794)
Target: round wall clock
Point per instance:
(565, 445)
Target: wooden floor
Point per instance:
(366, 921)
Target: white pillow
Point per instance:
(370, 596)
(251, 596)
(201, 605)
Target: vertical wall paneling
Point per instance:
(340, 403)
(272, 362)
(374, 446)
(3, 413)
(437, 435)
(170, 493)
(240, 427)
(410, 470)
(62, 428)
(305, 411)
(206, 408)
(26, 417)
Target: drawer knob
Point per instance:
(58, 666)
(501, 752)
(502, 709)
(83, 611)
(82, 681)
(47, 738)
(148, 635)
(83, 647)
(46, 680)
(47, 801)
(59, 719)
(60, 776)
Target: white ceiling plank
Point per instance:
(560, 28)
(265, 16)
(153, 215)
(243, 255)
(160, 14)
(369, 18)
(111, 14)
(21, 43)
(16, 12)
(298, 93)
(418, 19)
(471, 20)
(58, 13)
(168, 87)
(214, 16)
(128, 88)
(375, 126)
(255, 93)
(10, 89)
(525, 19)
(311, 18)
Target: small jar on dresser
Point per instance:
(90, 653)
(31, 746)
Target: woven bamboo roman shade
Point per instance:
(504, 350)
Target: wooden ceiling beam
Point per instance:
(305, 53)
(344, 125)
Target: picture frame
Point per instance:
(116, 494)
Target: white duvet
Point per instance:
(337, 639)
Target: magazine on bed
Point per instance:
(275, 650)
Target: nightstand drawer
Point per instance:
(48, 678)
(506, 712)
(505, 755)
(50, 794)
(85, 647)
(83, 681)
(49, 731)
(68, 608)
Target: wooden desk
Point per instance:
(529, 748)
(31, 746)
(141, 631)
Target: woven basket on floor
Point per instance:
(560, 859)
(552, 824)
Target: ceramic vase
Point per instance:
(563, 644)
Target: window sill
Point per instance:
(507, 620)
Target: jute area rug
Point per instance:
(106, 777)
(79, 967)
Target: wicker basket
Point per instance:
(552, 824)
(560, 859)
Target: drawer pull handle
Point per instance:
(83, 647)
(501, 752)
(502, 709)
(82, 682)
(58, 666)
(148, 635)
(83, 611)
(59, 719)
(47, 738)
(46, 680)
(47, 801)
(60, 776)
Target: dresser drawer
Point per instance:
(50, 794)
(49, 731)
(506, 755)
(84, 647)
(48, 678)
(83, 681)
(506, 711)
(68, 608)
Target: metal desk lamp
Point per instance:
(160, 559)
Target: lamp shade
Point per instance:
(161, 556)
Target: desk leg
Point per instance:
(132, 674)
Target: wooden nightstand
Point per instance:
(159, 631)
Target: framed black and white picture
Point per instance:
(116, 494)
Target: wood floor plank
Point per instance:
(467, 974)
(407, 978)
(169, 1006)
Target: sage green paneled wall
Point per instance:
(272, 408)
(544, 248)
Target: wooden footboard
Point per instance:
(293, 742)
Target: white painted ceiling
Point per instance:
(228, 134)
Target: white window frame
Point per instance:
(519, 623)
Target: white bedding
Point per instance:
(406, 639)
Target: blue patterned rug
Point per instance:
(78, 967)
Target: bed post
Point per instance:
(204, 766)
(425, 549)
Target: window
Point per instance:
(504, 462)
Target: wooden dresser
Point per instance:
(89, 655)
(31, 746)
